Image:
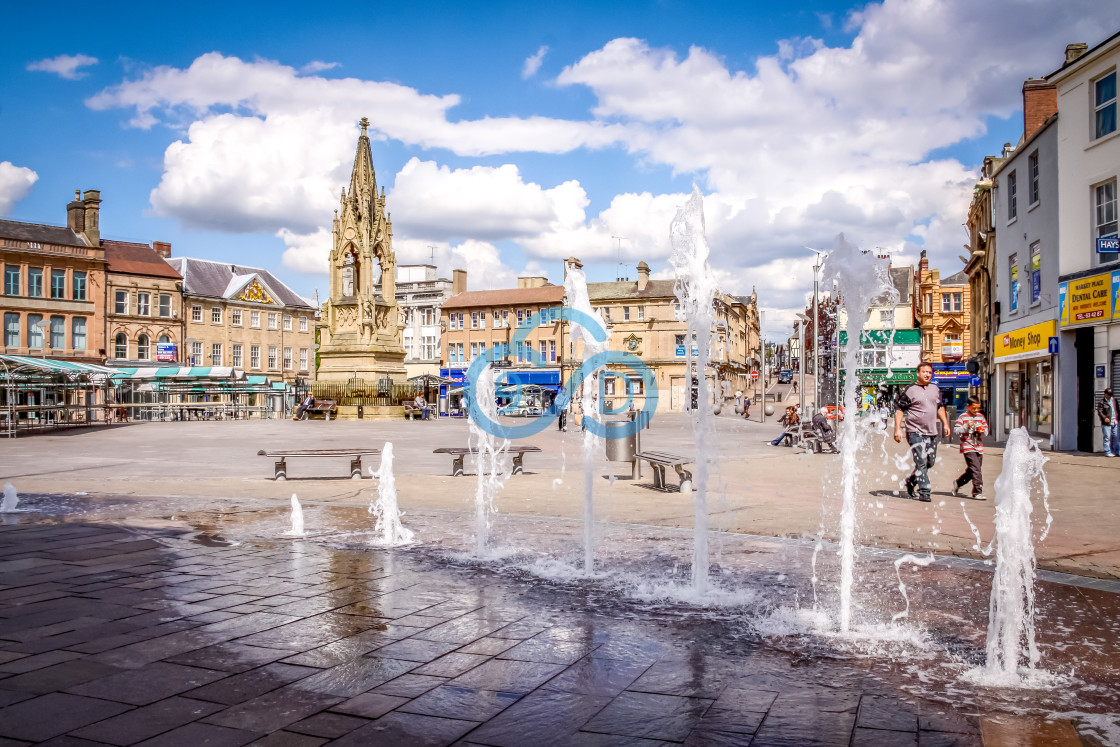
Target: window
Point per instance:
(120, 346)
(544, 351)
(216, 315)
(272, 357)
(273, 320)
(34, 331)
(303, 326)
(428, 316)
(606, 313)
(78, 281)
(482, 320)
(303, 359)
(216, 354)
(637, 386)
(287, 359)
(235, 317)
(521, 351)
(120, 302)
(520, 317)
(625, 313)
(929, 303)
(505, 317)
(236, 354)
(1105, 213)
(78, 332)
(35, 282)
(196, 313)
(255, 319)
(641, 313)
(678, 345)
(11, 280)
(1032, 178)
(287, 322)
(254, 356)
(474, 320)
(1036, 272)
(552, 349)
(451, 353)
(1013, 281)
(144, 304)
(1104, 105)
(11, 330)
(143, 348)
(58, 283)
(428, 345)
(459, 351)
(165, 304)
(474, 350)
(946, 303)
(886, 316)
(1012, 197)
(196, 353)
(58, 332)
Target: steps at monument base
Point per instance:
(371, 412)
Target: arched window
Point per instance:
(142, 351)
(164, 339)
(120, 347)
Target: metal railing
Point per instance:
(368, 394)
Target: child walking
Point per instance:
(971, 427)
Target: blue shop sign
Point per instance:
(1108, 245)
(953, 376)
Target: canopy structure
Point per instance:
(45, 393)
(182, 372)
(197, 392)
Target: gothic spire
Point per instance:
(363, 180)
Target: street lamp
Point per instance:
(801, 364)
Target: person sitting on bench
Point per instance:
(825, 432)
(422, 406)
(301, 411)
(790, 420)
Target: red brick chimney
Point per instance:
(162, 248)
(458, 282)
(923, 264)
(1040, 102)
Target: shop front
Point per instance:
(952, 380)
(1025, 374)
(1090, 338)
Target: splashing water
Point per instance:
(1011, 610)
(913, 560)
(297, 518)
(489, 450)
(385, 508)
(696, 290)
(575, 287)
(11, 499)
(862, 279)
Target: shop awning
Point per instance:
(225, 373)
(28, 366)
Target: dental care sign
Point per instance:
(1026, 342)
(1090, 300)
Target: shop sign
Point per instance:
(871, 376)
(1089, 300)
(952, 349)
(1108, 245)
(954, 375)
(1033, 339)
(165, 351)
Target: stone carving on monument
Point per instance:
(360, 331)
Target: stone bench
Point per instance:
(281, 467)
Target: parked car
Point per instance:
(785, 376)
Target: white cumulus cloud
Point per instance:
(65, 65)
(15, 183)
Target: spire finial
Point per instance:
(364, 124)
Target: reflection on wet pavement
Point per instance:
(126, 620)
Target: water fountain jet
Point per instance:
(385, 508)
(297, 518)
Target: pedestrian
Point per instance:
(920, 406)
(794, 391)
(561, 417)
(738, 397)
(1108, 413)
(422, 406)
(746, 408)
(971, 426)
(301, 411)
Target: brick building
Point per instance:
(144, 323)
(940, 309)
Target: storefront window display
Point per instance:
(1040, 402)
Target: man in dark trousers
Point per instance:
(1107, 412)
(920, 406)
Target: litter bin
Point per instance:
(622, 448)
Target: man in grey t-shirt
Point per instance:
(920, 406)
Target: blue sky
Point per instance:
(228, 129)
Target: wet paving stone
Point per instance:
(452, 665)
(370, 705)
(328, 725)
(230, 657)
(461, 703)
(540, 718)
(148, 684)
(356, 677)
(413, 649)
(508, 676)
(247, 685)
(274, 710)
(669, 717)
(410, 685)
(594, 676)
(407, 728)
(201, 735)
(147, 721)
(49, 715)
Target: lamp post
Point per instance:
(762, 349)
(801, 363)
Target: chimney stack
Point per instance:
(76, 213)
(923, 265)
(92, 202)
(1074, 51)
(458, 282)
(162, 248)
(1040, 102)
(643, 276)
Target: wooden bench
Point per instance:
(411, 411)
(322, 407)
(281, 472)
(459, 453)
(659, 460)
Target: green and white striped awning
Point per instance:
(25, 365)
(180, 372)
